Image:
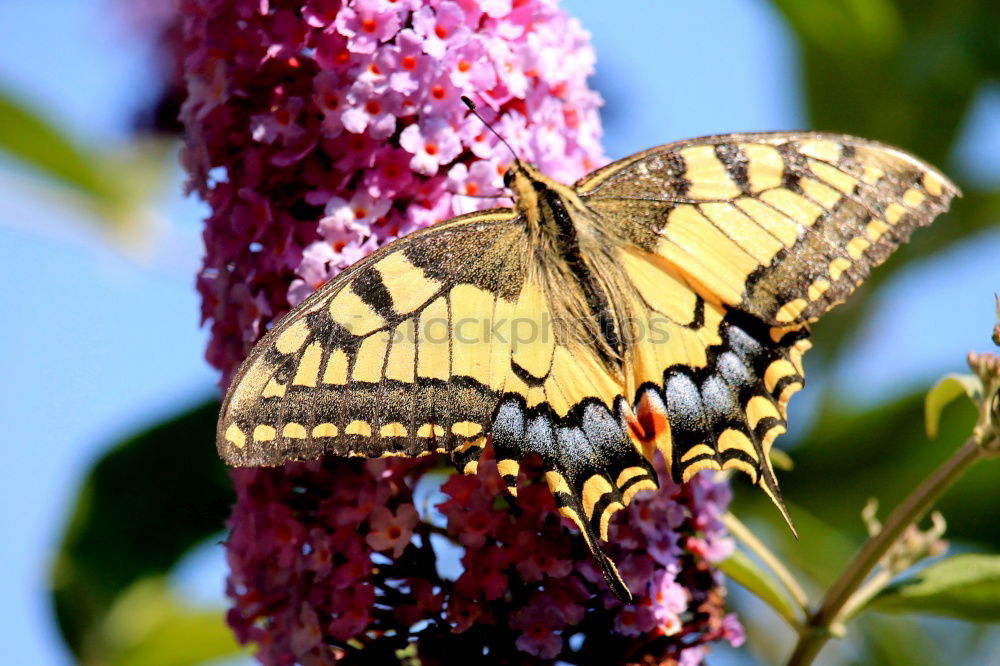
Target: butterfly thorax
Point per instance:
(586, 288)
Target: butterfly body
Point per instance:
(661, 304)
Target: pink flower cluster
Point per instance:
(316, 131)
(338, 559)
(320, 130)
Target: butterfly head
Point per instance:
(527, 184)
(520, 179)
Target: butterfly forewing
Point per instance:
(372, 364)
(780, 225)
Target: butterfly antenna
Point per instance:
(472, 107)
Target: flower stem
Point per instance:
(824, 621)
(770, 560)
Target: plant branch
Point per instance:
(770, 560)
(818, 628)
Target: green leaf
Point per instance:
(113, 186)
(781, 460)
(743, 570)
(844, 26)
(853, 453)
(142, 506)
(26, 135)
(945, 391)
(964, 586)
(149, 626)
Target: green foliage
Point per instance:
(149, 626)
(743, 570)
(945, 391)
(113, 187)
(849, 455)
(964, 586)
(902, 72)
(143, 505)
(27, 136)
(905, 73)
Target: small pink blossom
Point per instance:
(367, 23)
(732, 630)
(432, 203)
(356, 215)
(314, 271)
(320, 13)
(442, 28)
(392, 530)
(481, 184)
(351, 611)
(496, 8)
(368, 109)
(407, 66)
(540, 627)
(469, 68)
(431, 146)
(307, 633)
(332, 54)
(693, 656)
(390, 175)
(330, 96)
(279, 123)
(669, 599)
(635, 620)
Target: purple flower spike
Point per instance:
(318, 131)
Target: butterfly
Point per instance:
(661, 304)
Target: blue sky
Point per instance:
(100, 343)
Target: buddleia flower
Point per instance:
(316, 132)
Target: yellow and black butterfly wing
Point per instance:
(734, 243)
(378, 362)
(720, 250)
(709, 383)
(571, 411)
(781, 225)
(434, 344)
